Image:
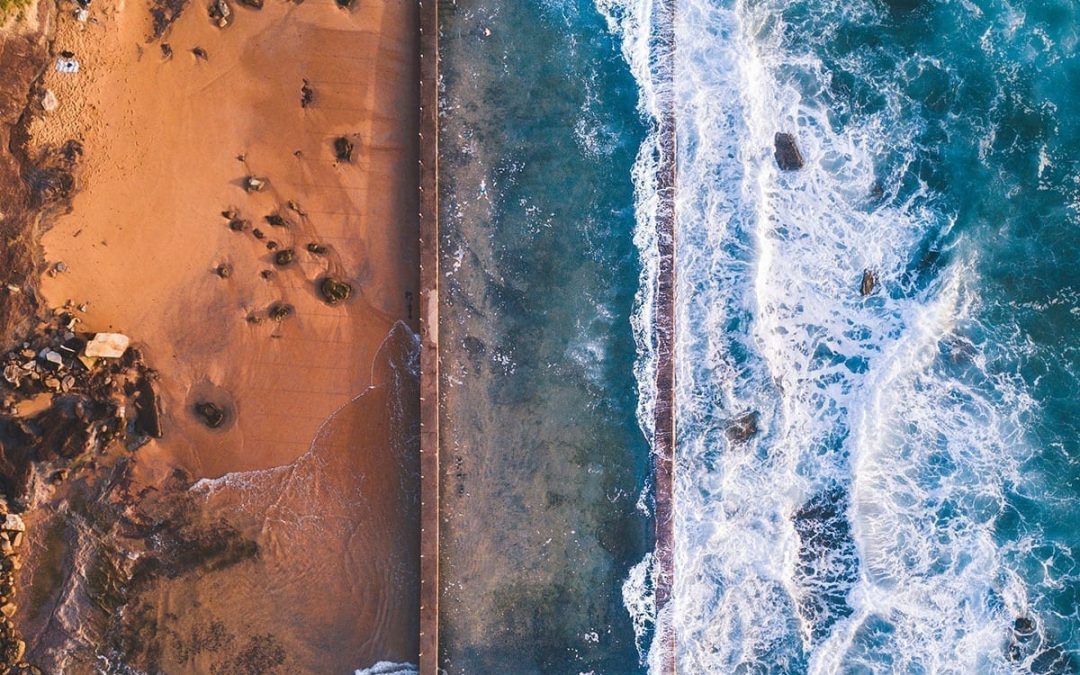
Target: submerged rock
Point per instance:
(276, 220)
(787, 154)
(317, 249)
(743, 428)
(307, 94)
(254, 4)
(334, 290)
(284, 257)
(211, 415)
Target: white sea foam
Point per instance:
(880, 401)
(633, 21)
(389, 668)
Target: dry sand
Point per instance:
(317, 452)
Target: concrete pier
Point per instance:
(429, 337)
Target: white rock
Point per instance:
(13, 523)
(49, 102)
(107, 345)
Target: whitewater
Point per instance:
(866, 522)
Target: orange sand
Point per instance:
(161, 143)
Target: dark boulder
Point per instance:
(334, 291)
(211, 415)
(147, 409)
(343, 149)
(743, 428)
(869, 283)
(277, 220)
(284, 257)
(788, 157)
(279, 311)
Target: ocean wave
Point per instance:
(853, 525)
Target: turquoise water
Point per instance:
(544, 463)
(908, 499)
(909, 502)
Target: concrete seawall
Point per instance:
(664, 339)
(429, 337)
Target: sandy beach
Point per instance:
(313, 466)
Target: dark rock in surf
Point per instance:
(743, 428)
(868, 284)
(317, 249)
(343, 149)
(210, 414)
(334, 291)
(276, 220)
(787, 154)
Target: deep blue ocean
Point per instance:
(907, 497)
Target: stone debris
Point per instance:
(254, 184)
(107, 345)
(220, 13)
(49, 102)
(12, 646)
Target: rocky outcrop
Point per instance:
(75, 405)
(869, 282)
(786, 151)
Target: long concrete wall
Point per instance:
(429, 337)
(664, 337)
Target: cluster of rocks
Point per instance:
(12, 646)
(83, 391)
(331, 289)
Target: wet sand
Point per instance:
(326, 394)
